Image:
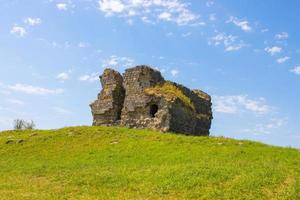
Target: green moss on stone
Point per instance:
(171, 93)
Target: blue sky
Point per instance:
(245, 54)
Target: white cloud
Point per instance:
(151, 11)
(283, 59)
(296, 70)
(281, 36)
(111, 6)
(238, 103)
(185, 18)
(32, 21)
(222, 38)
(114, 61)
(165, 16)
(229, 42)
(62, 6)
(273, 50)
(174, 72)
(18, 30)
(243, 24)
(63, 76)
(15, 101)
(29, 89)
(234, 47)
(89, 77)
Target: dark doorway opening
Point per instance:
(153, 110)
(118, 115)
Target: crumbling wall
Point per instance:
(145, 100)
(106, 110)
(138, 106)
(196, 121)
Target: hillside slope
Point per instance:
(119, 163)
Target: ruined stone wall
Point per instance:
(107, 108)
(137, 104)
(197, 121)
(126, 103)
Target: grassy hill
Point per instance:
(119, 163)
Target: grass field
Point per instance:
(120, 163)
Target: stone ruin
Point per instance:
(141, 98)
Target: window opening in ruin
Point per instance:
(153, 110)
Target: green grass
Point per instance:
(120, 163)
(170, 92)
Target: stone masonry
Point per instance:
(141, 98)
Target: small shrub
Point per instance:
(29, 125)
(20, 124)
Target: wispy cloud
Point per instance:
(283, 59)
(63, 76)
(62, 6)
(242, 24)
(267, 128)
(115, 61)
(151, 11)
(32, 21)
(165, 16)
(89, 77)
(29, 89)
(296, 70)
(281, 36)
(234, 47)
(18, 30)
(238, 103)
(229, 42)
(112, 6)
(273, 50)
